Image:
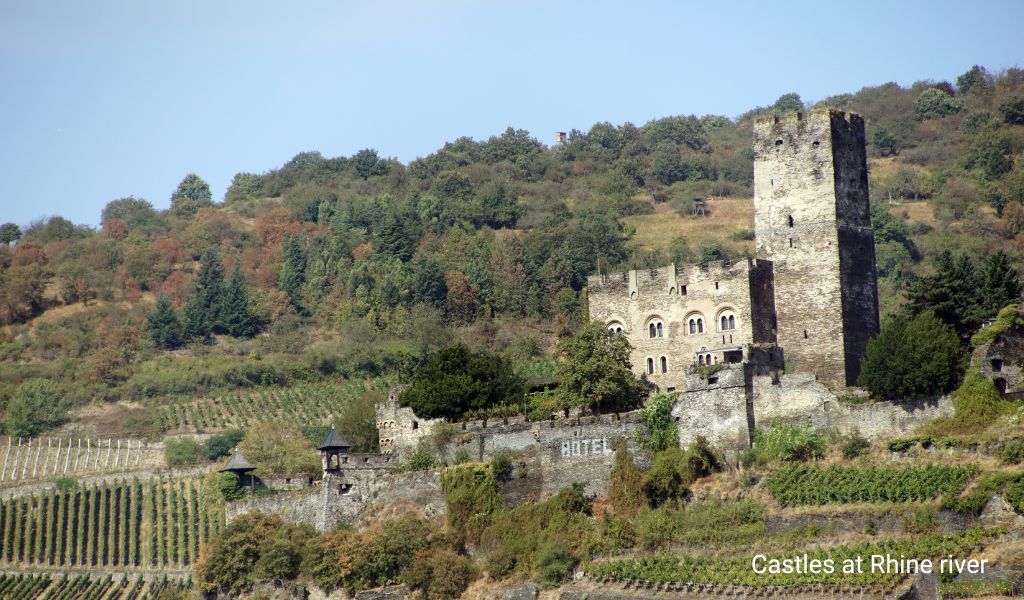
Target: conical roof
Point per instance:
(334, 441)
(238, 464)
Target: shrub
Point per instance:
(921, 357)
(35, 407)
(230, 486)
(625, 482)
(977, 402)
(501, 467)
(854, 445)
(66, 484)
(181, 452)
(786, 443)
(1012, 452)
(279, 447)
(440, 573)
(471, 496)
(419, 459)
(667, 478)
(921, 520)
(222, 444)
(935, 104)
(554, 562)
(662, 430)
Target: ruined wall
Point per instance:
(1002, 361)
(811, 219)
(636, 299)
(400, 430)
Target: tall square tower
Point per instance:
(813, 221)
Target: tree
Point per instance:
(909, 359)
(9, 233)
(244, 186)
(668, 164)
(191, 194)
(595, 371)
(1000, 284)
(236, 316)
(292, 275)
(992, 153)
(934, 103)
(975, 81)
(390, 238)
(163, 325)
(135, 212)
(279, 447)
(202, 309)
(788, 103)
(885, 142)
(457, 380)
(951, 293)
(428, 281)
(367, 164)
(35, 407)
(1012, 110)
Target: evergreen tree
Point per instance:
(292, 275)
(202, 309)
(428, 281)
(596, 371)
(235, 317)
(163, 325)
(458, 380)
(907, 359)
(1000, 283)
(390, 238)
(952, 293)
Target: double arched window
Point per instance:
(615, 328)
(726, 320)
(655, 328)
(705, 359)
(652, 365)
(695, 323)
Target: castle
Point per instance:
(808, 301)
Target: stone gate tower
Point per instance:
(812, 220)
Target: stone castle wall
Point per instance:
(633, 301)
(812, 220)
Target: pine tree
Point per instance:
(1000, 283)
(292, 275)
(390, 238)
(202, 309)
(235, 317)
(163, 325)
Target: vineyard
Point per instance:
(304, 404)
(29, 587)
(124, 524)
(798, 484)
(739, 571)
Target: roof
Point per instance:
(334, 441)
(238, 464)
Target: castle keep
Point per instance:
(811, 293)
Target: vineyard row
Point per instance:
(86, 587)
(799, 484)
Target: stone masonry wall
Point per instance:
(668, 297)
(811, 220)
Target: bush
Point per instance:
(977, 402)
(230, 486)
(554, 562)
(908, 359)
(935, 104)
(662, 430)
(65, 484)
(457, 380)
(440, 573)
(35, 407)
(279, 447)
(922, 520)
(1012, 452)
(854, 445)
(501, 467)
(786, 443)
(419, 459)
(181, 452)
(222, 444)
(625, 483)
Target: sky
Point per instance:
(106, 99)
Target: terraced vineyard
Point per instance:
(126, 524)
(799, 484)
(66, 587)
(305, 404)
(739, 571)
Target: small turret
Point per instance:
(332, 448)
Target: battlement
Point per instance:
(663, 280)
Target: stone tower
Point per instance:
(813, 221)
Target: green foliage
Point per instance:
(292, 275)
(163, 325)
(554, 562)
(230, 486)
(1012, 452)
(9, 233)
(700, 522)
(625, 482)
(221, 444)
(440, 573)
(783, 442)
(420, 459)
(977, 402)
(1009, 318)
(1012, 110)
(662, 431)
(921, 357)
(202, 309)
(798, 484)
(278, 447)
(191, 194)
(181, 452)
(235, 316)
(595, 371)
(854, 445)
(471, 497)
(37, 405)
(458, 380)
(934, 104)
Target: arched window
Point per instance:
(650, 366)
(661, 332)
(693, 325)
(700, 325)
(726, 320)
(707, 359)
(700, 359)
(655, 328)
(652, 330)
(615, 328)
(664, 364)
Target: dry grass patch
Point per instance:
(725, 217)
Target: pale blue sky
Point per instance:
(105, 99)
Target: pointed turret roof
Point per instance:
(238, 464)
(334, 441)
